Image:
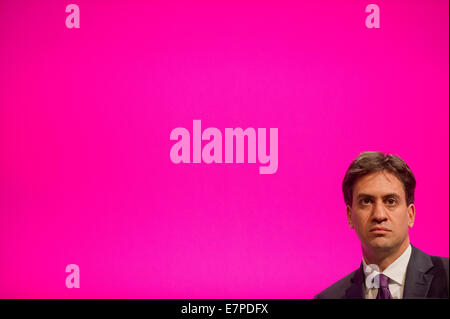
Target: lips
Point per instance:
(379, 229)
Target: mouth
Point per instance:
(379, 230)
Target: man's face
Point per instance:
(379, 212)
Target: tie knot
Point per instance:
(384, 281)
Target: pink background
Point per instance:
(85, 118)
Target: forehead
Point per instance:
(379, 184)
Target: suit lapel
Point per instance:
(417, 282)
(356, 289)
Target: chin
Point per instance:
(380, 243)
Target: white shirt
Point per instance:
(396, 273)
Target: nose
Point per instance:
(378, 214)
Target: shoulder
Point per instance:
(442, 260)
(339, 288)
(434, 269)
(440, 266)
(437, 264)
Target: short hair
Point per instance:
(372, 162)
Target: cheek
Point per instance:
(359, 219)
(402, 220)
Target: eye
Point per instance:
(365, 201)
(391, 201)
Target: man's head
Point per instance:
(379, 193)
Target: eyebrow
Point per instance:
(391, 195)
(365, 196)
(384, 196)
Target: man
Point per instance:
(379, 193)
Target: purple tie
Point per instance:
(383, 291)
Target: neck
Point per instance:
(383, 257)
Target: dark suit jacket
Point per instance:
(426, 277)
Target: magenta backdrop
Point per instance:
(85, 119)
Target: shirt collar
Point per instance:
(395, 271)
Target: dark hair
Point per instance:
(371, 162)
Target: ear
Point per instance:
(349, 216)
(411, 215)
